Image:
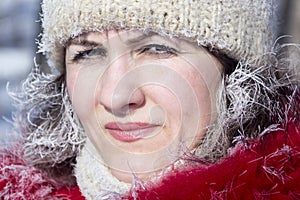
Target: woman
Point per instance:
(158, 100)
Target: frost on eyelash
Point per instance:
(84, 54)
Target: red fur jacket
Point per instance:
(268, 168)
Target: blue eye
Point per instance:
(156, 49)
(85, 54)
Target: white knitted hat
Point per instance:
(238, 28)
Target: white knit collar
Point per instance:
(94, 178)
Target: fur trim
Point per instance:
(21, 181)
(18, 181)
(266, 168)
(52, 132)
(252, 100)
(69, 193)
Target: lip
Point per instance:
(130, 132)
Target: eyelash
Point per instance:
(79, 55)
(160, 50)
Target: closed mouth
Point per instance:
(130, 132)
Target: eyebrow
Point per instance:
(83, 41)
(140, 38)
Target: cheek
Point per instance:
(167, 100)
(206, 90)
(204, 77)
(71, 78)
(202, 89)
(81, 84)
(73, 87)
(200, 110)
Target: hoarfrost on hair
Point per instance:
(51, 130)
(253, 99)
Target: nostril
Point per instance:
(135, 105)
(122, 112)
(126, 109)
(131, 106)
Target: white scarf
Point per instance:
(94, 178)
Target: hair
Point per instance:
(51, 130)
(229, 64)
(252, 100)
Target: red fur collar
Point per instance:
(268, 168)
(19, 181)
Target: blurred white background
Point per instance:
(19, 26)
(18, 30)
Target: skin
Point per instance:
(142, 78)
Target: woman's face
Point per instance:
(143, 99)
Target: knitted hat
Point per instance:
(238, 28)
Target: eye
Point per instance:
(157, 49)
(90, 53)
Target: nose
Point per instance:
(119, 92)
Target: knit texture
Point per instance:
(93, 176)
(240, 29)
